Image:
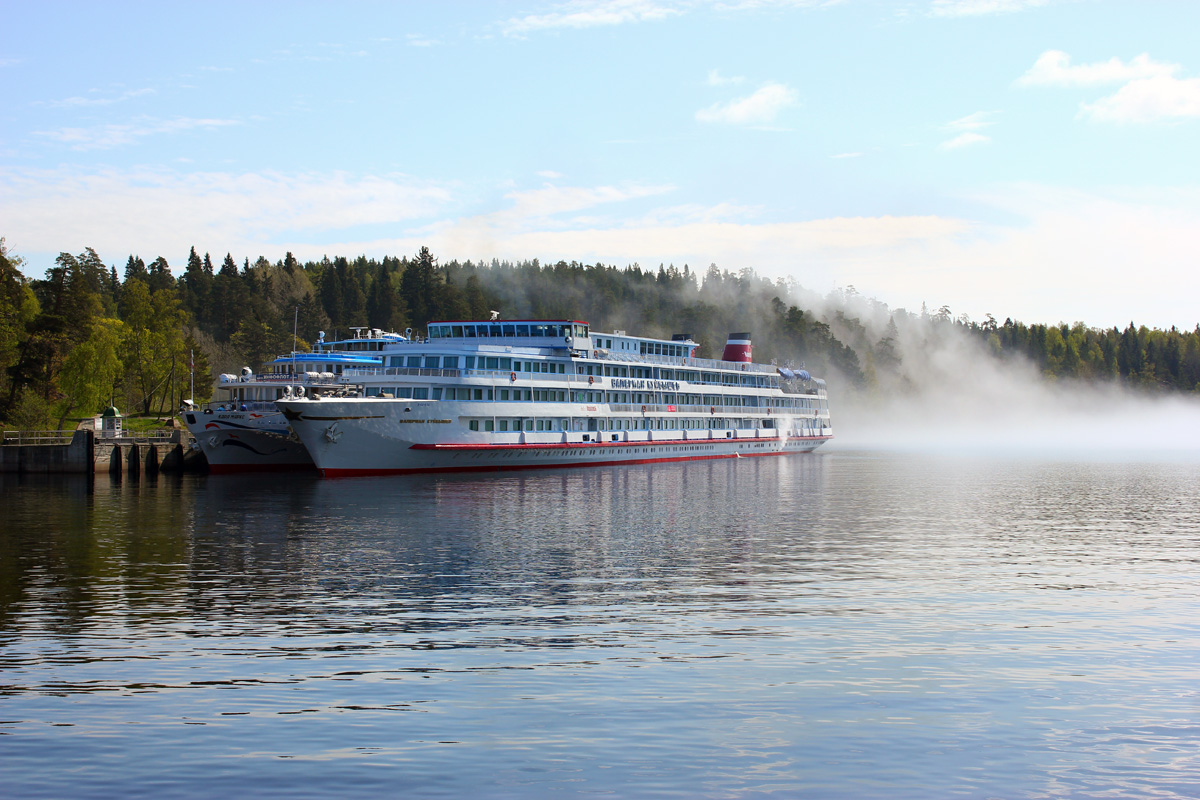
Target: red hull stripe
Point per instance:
(593, 445)
(362, 473)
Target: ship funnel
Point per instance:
(737, 348)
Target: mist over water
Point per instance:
(950, 395)
(1021, 417)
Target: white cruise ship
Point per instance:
(535, 393)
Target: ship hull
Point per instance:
(241, 441)
(348, 438)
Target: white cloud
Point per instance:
(1148, 100)
(1121, 246)
(715, 78)
(759, 108)
(964, 140)
(552, 201)
(967, 129)
(976, 8)
(104, 137)
(164, 213)
(1151, 90)
(592, 13)
(1054, 68)
(81, 102)
(1059, 254)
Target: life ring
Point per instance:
(512, 376)
(595, 354)
(591, 379)
(643, 409)
(712, 410)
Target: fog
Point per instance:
(952, 397)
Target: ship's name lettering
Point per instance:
(660, 386)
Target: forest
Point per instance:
(87, 336)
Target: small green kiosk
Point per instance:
(110, 423)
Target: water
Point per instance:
(838, 625)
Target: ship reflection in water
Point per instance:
(838, 625)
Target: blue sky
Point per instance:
(1027, 158)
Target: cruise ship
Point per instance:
(495, 395)
(243, 430)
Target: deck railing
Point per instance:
(38, 437)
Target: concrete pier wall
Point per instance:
(73, 457)
(83, 452)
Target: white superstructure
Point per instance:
(550, 393)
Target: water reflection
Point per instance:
(827, 625)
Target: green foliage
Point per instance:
(91, 370)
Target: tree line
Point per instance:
(86, 336)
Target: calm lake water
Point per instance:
(838, 625)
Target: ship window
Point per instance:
(470, 362)
(477, 394)
(510, 330)
(504, 394)
(450, 362)
(432, 362)
(506, 363)
(503, 425)
(541, 424)
(437, 394)
(413, 361)
(473, 424)
(493, 362)
(522, 330)
(469, 331)
(495, 331)
(528, 424)
(420, 394)
(456, 331)
(488, 425)
(396, 361)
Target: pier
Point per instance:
(84, 452)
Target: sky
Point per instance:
(1033, 159)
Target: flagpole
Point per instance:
(295, 322)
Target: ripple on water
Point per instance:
(845, 625)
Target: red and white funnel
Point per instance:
(737, 348)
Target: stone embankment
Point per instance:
(83, 452)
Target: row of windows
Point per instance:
(504, 425)
(481, 362)
(496, 330)
(506, 364)
(664, 349)
(562, 396)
